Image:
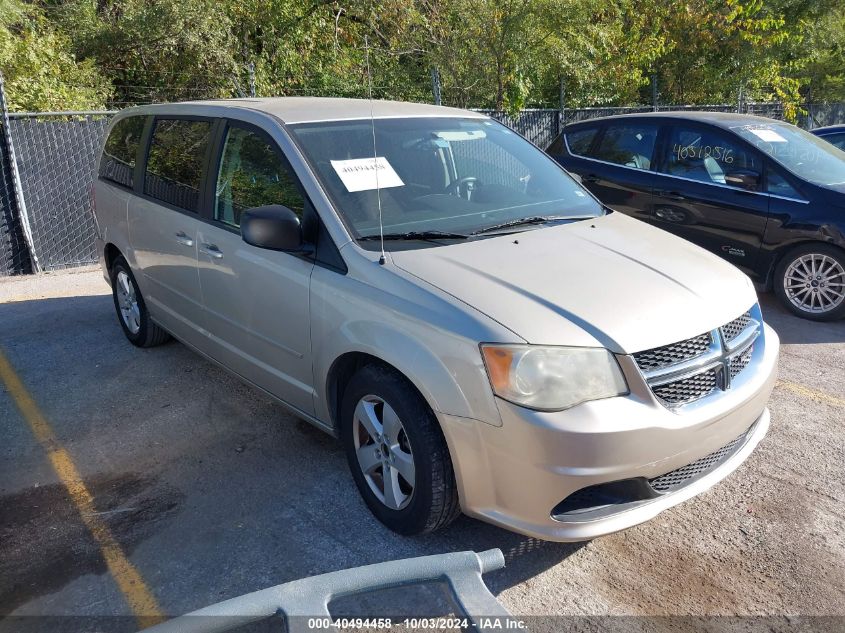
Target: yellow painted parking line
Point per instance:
(131, 584)
(813, 394)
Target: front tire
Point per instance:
(810, 282)
(397, 453)
(132, 313)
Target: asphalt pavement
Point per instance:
(211, 490)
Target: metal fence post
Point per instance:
(23, 217)
(654, 91)
(561, 114)
(435, 85)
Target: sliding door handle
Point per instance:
(183, 239)
(211, 250)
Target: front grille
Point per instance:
(683, 372)
(687, 389)
(741, 361)
(681, 476)
(733, 329)
(660, 357)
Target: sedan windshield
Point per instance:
(448, 176)
(802, 153)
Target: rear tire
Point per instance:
(810, 282)
(132, 313)
(387, 427)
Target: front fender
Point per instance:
(431, 342)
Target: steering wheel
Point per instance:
(467, 183)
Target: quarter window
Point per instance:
(121, 148)
(836, 139)
(711, 156)
(175, 162)
(580, 140)
(252, 174)
(630, 144)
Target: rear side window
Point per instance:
(252, 174)
(580, 140)
(628, 144)
(175, 162)
(117, 164)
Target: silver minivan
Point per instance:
(426, 285)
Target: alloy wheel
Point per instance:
(130, 311)
(384, 452)
(815, 283)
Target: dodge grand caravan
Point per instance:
(423, 283)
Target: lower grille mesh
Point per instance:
(678, 477)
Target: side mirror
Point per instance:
(274, 227)
(744, 179)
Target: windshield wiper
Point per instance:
(536, 219)
(417, 235)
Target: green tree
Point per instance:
(40, 70)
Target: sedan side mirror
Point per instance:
(274, 227)
(747, 179)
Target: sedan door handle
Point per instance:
(590, 178)
(183, 239)
(211, 250)
(671, 195)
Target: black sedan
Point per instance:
(834, 134)
(765, 195)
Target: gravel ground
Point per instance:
(214, 491)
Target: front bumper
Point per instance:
(514, 475)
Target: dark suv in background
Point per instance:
(765, 195)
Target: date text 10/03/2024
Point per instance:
(418, 624)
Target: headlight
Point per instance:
(552, 378)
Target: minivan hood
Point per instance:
(611, 281)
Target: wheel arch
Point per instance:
(110, 254)
(783, 250)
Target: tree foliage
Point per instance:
(509, 54)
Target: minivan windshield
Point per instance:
(438, 177)
(802, 153)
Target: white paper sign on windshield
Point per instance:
(366, 174)
(770, 136)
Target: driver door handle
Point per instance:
(211, 250)
(590, 178)
(183, 239)
(671, 195)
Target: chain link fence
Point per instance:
(56, 156)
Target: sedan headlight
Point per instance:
(552, 378)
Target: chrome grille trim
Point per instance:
(685, 372)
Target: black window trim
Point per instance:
(217, 157)
(599, 127)
(738, 140)
(141, 166)
(664, 128)
(213, 168)
(138, 153)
